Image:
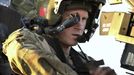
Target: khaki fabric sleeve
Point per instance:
(26, 7)
(30, 54)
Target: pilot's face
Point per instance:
(70, 35)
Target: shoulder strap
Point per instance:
(82, 66)
(78, 61)
(53, 42)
